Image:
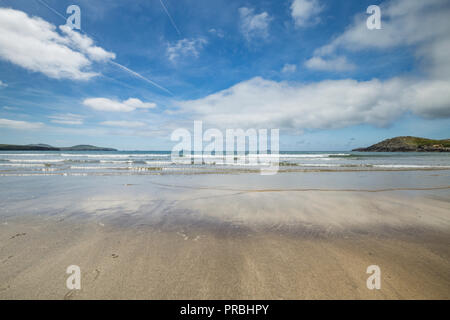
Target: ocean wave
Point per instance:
(320, 155)
(268, 156)
(22, 164)
(411, 166)
(114, 168)
(106, 156)
(35, 160)
(50, 169)
(116, 161)
(160, 162)
(93, 168)
(322, 165)
(81, 161)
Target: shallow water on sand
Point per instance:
(136, 197)
(296, 235)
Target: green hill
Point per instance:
(409, 144)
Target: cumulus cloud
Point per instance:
(327, 104)
(2, 84)
(254, 25)
(404, 22)
(123, 123)
(289, 68)
(330, 104)
(20, 125)
(185, 47)
(69, 118)
(105, 104)
(431, 98)
(304, 12)
(86, 45)
(423, 25)
(331, 64)
(34, 44)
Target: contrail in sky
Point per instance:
(170, 17)
(140, 76)
(50, 8)
(134, 73)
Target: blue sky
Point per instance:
(308, 67)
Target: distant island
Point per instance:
(46, 147)
(409, 144)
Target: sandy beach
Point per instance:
(227, 237)
(225, 150)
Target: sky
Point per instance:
(138, 70)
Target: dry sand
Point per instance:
(216, 243)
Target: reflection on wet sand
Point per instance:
(228, 237)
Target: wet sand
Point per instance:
(188, 238)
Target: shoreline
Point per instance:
(154, 171)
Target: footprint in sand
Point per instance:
(69, 295)
(6, 260)
(18, 235)
(114, 256)
(97, 273)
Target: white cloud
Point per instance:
(431, 98)
(216, 32)
(86, 45)
(124, 124)
(105, 104)
(304, 12)
(70, 119)
(21, 125)
(323, 105)
(34, 44)
(138, 104)
(254, 25)
(423, 25)
(185, 47)
(404, 22)
(2, 84)
(289, 68)
(331, 64)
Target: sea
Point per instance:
(76, 163)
